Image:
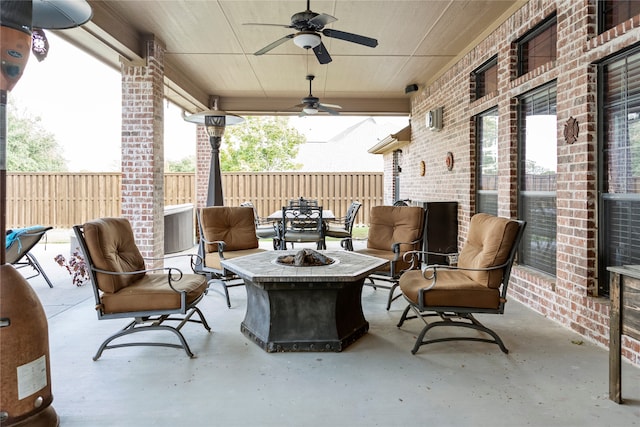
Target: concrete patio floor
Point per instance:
(551, 376)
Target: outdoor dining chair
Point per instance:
(265, 228)
(302, 223)
(18, 244)
(342, 228)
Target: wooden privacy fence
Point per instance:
(64, 199)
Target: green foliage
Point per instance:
(187, 164)
(260, 144)
(30, 147)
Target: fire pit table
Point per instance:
(314, 308)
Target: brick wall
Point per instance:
(568, 297)
(143, 149)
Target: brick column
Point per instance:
(143, 149)
(203, 161)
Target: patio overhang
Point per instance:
(392, 142)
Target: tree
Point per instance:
(261, 144)
(187, 164)
(30, 147)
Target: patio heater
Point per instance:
(215, 121)
(24, 338)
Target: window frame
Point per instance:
(604, 11)
(480, 74)
(530, 35)
(479, 140)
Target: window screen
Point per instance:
(487, 162)
(537, 177)
(619, 215)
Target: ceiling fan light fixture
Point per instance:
(306, 40)
(310, 110)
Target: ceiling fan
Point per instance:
(311, 104)
(309, 26)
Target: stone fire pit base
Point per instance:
(315, 308)
(314, 317)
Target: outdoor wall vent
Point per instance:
(434, 119)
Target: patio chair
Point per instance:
(18, 244)
(393, 231)
(265, 228)
(477, 285)
(225, 232)
(300, 224)
(124, 288)
(342, 228)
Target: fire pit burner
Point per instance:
(305, 258)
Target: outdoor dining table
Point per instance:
(327, 214)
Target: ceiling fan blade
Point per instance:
(322, 20)
(268, 25)
(353, 38)
(331, 106)
(274, 44)
(323, 107)
(322, 54)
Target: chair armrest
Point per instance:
(220, 244)
(263, 221)
(170, 271)
(339, 220)
(411, 256)
(395, 247)
(431, 273)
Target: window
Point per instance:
(487, 162)
(613, 12)
(537, 143)
(486, 78)
(537, 47)
(619, 213)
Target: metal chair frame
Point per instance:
(302, 223)
(460, 316)
(393, 275)
(151, 320)
(347, 222)
(225, 277)
(20, 249)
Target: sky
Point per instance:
(78, 99)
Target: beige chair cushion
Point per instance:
(488, 244)
(389, 224)
(235, 225)
(152, 292)
(452, 289)
(112, 247)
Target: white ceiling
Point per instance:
(210, 52)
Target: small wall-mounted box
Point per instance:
(434, 119)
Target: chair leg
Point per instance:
(448, 321)
(131, 329)
(391, 297)
(36, 266)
